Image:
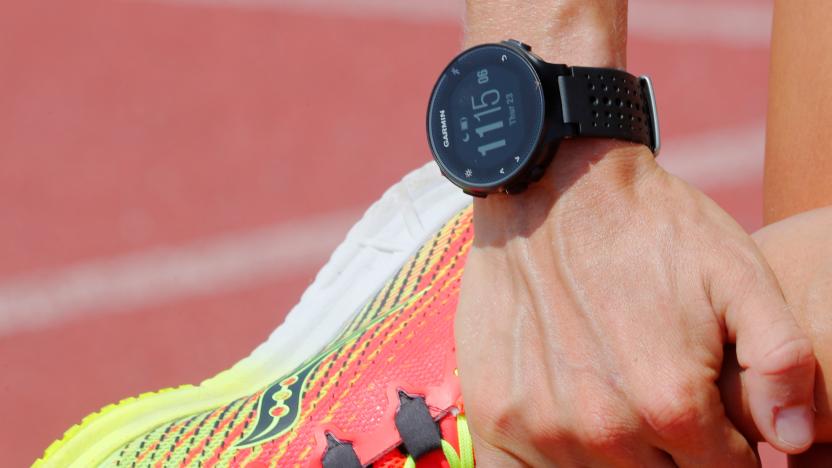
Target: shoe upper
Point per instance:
(386, 388)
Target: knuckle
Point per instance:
(745, 274)
(794, 353)
(606, 436)
(672, 412)
(508, 420)
(547, 432)
(548, 437)
(602, 428)
(495, 421)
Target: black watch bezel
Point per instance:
(534, 155)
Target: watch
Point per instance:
(498, 112)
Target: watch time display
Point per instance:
(485, 116)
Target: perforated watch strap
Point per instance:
(609, 103)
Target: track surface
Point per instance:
(149, 150)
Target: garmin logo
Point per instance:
(444, 125)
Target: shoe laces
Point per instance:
(465, 457)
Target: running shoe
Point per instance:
(362, 372)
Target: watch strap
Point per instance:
(610, 103)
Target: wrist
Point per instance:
(586, 173)
(574, 32)
(587, 180)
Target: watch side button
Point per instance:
(519, 44)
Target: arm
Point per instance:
(799, 252)
(587, 33)
(798, 167)
(595, 305)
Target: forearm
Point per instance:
(798, 165)
(574, 32)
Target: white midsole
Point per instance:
(388, 233)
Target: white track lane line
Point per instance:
(745, 24)
(155, 276)
(152, 277)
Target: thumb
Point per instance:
(779, 364)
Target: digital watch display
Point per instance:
(486, 114)
(497, 112)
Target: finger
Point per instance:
(644, 455)
(722, 446)
(689, 423)
(659, 458)
(734, 395)
(779, 366)
(487, 455)
(639, 457)
(605, 432)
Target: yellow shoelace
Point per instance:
(465, 457)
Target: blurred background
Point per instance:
(174, 172)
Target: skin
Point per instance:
(799, 251)
(798, 167)
(596, 305)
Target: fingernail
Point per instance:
(794, 426)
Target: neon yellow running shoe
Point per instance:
(363, 370)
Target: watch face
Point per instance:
(485, 116)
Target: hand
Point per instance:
(800, 253)
(592, 319)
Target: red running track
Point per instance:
(129, 127)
